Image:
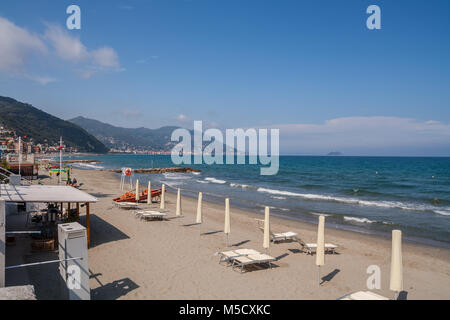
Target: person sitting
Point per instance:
(74, 183)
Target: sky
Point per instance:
(310, 68)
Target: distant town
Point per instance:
(10, 145)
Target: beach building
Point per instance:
(25, 163)
(31, 217)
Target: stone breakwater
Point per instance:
(157, 170)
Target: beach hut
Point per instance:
(49, 194)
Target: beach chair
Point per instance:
(226, 256)
(309, 248)
(275, 237)
(126, 205)
(363, 295)
(151, 215)
(251, 259)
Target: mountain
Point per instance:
(42, 127)
(127, 138)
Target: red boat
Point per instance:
(130, 196)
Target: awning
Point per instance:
(44, 193)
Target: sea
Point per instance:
(365, 194)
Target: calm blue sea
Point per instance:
(365, 194)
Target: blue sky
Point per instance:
(311, 68)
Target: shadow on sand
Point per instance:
(330, 276)
(102, 231)
(113, 290)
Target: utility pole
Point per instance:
(20, 153)
(60, 159)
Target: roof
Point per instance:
(43, 193)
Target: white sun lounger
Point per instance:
(151, 215)
(251, 259)
(363, 295)
(226, 256)
(283, 236)
(127, 205)
(311, 247)
(275, 237)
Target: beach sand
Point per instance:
(175, 259)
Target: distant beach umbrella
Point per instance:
(162, 204)
(199, 208)
(266, 242)
(137, 190)
(320, 253)
(396, 283)
(227, 227)
(178, 209)
(149, 193)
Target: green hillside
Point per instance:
(118, 137)
(42, 127)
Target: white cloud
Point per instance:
(16, 46)
(67, 47)
(181, 117)
(70, 48)
(41, 80)
(106, 57)
(365, 134)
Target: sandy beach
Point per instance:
(176, 259)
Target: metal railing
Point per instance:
(39, 263)
(5, 173)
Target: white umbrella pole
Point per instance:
(162, 204)
(227, 228)
(266, 241)
(19, 153)
(178, 208)
(149, 193)
(320, 251)
(199, 212)
(60, 159)
(137, 191)
(318, 275)
(396, 281)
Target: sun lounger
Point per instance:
(126, 205)
(226, 256)
(151, 215)
(311, 247)
(251, 259)
(363, 295)
(275, 237)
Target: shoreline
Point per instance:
(335, 226)
(175, 259)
